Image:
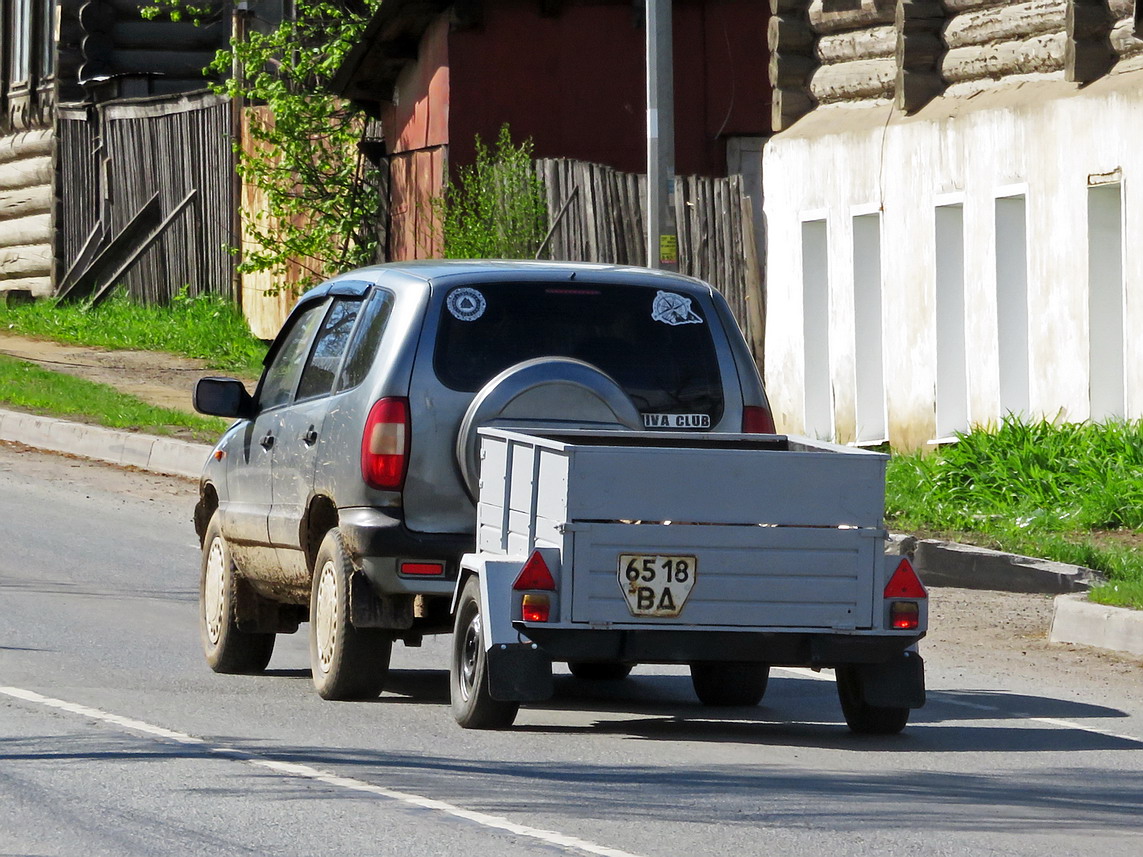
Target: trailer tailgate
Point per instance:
(742, 576)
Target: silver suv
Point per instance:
(343, 495)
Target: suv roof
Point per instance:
(449, 271)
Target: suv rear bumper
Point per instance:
(378, 541)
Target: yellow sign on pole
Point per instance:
(669, 250)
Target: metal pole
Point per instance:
(662, 234)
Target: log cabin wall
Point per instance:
(25, 212)
(950, 212)
(121, 54)
(27, 104)
(855, 47)
(831, 51)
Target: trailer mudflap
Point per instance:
(519, 672)
(899, 683)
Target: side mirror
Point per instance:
(222, 397)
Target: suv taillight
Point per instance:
(385, 444)
(757, 420)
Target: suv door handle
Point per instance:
(310, 437)
(267, 441)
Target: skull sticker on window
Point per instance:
(673, 309)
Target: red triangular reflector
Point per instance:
(535, 575)
(904, 583)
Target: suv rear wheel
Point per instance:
(346, 662)
(726, 683)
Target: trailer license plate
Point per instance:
(656, 584)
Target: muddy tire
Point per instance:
(346, 662)
(227, 649)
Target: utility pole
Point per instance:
(662, 233)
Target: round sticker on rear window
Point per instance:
(673, 309)
(466, 304)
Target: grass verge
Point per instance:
(1071, 492)
(31, 388)
(207, 327)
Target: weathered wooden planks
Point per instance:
(167, 146)
(597, 215)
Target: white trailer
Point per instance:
(728, 553)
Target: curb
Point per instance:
(126, 449)
(1077, 620)
(938, 563)
(969, 567)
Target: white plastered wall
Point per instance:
(1043, 138)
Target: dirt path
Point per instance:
(156, 377)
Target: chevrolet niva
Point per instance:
(343, 495)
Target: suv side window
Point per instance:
(281, 376)
(366, 339)
(317, 377)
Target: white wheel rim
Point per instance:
(212, 590)
(325, 622)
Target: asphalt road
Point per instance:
(116, 739)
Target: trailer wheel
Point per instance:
(227, 649)
(725, 683)
(600, 670)
(862, 718)
(472, 705)
(346, 662)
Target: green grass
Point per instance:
(1070, 492)
(29, 387)
(207, 327)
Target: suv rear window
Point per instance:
(657, 345)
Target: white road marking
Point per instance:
(293, 769)
(943, 697)
(1052, 721)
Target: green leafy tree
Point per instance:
(302, 156)
(495, 208)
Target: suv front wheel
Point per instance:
(228, 649)
(346, 662)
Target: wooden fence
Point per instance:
(598, 215)
(115, 158)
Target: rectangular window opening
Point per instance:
(20, 45)
(815, 315)
(1012, 303)
(868, 338)
(952, 363)
(1105, 301)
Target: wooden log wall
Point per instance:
(792, 61)
(164, 145)
(1127, 29)
(170, 55)
(995, 40)
(856, 44)
(598, 215)
(26, 212)
(832, 51)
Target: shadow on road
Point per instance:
(750, 792)
(795, 712)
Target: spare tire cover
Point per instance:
(545, 392)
